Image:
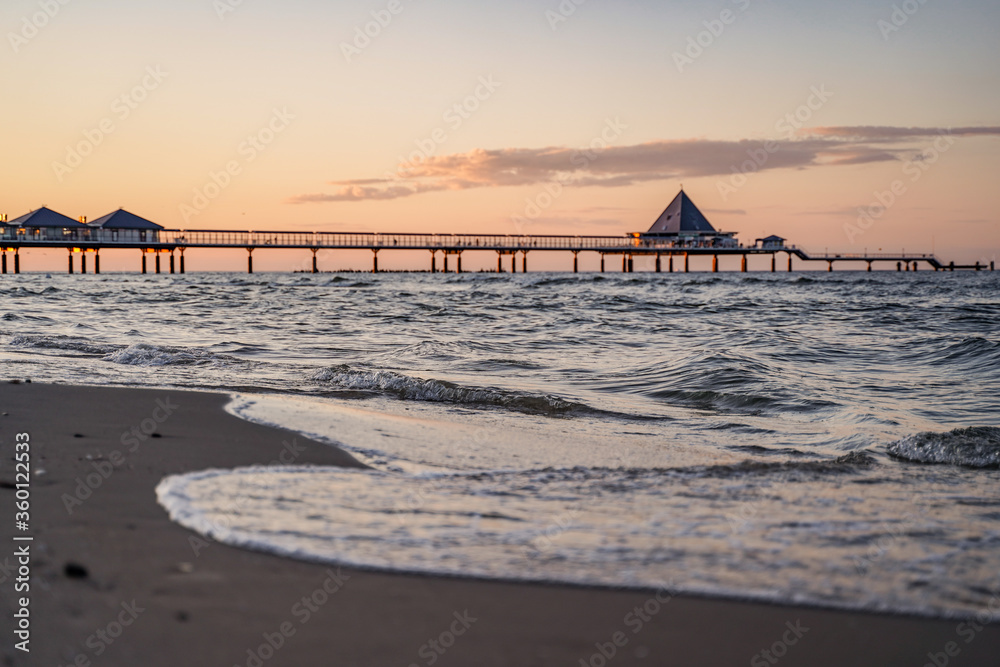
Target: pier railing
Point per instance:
(84, 240)
(208, 238)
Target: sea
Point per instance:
(825, 439)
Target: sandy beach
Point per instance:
(115, 582)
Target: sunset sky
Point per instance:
(512, 117)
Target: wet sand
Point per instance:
(114, 582)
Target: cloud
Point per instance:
(620, 166)
(726, 211)
(881, 133)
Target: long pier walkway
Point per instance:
(84, 242)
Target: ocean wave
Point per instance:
(698, 526)
(974, 349)
(716, 382)
(974, 447)
(63, 343)
(715, 401)
(553, 282)
(137, 354)
(440, 391)
(433, 349)
(141, 354)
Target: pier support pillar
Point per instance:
(576, 261)
(374, 261)
(829, 266)
(743, 264)
(715, 263)
(687, 263)
(4, 262)
(914, 266)
(144, 261)
(899, 266)
(869, 267)
(624, 263)
(434, 260)
(97, 262)
(157, 263)
(446, 262)
(670, 263)
(71, 261)
(182, 261)
(513, 262)
(630, 265)
(774, 263)
(83, 262)
(315, 267)
(249, 261)
(171, 262)
(499, 262)
(789, 262)
(992, 262)
(602, 262)
(658, 262)
(17, 261)
(524, 261)
(458, 263)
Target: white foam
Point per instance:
(782, 535)
(417, 437)
(142, 354)
(976, 447)
(421, 389)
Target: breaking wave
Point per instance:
(974, 447)
(440, 391)
(63, 343)
(142, 354)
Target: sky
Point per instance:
(849, 126)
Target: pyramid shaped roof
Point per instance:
(681, 216)
(44, 217)
(122, 219)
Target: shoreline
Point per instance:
(100, 557)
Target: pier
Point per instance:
(680, 233)
(445, 250)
